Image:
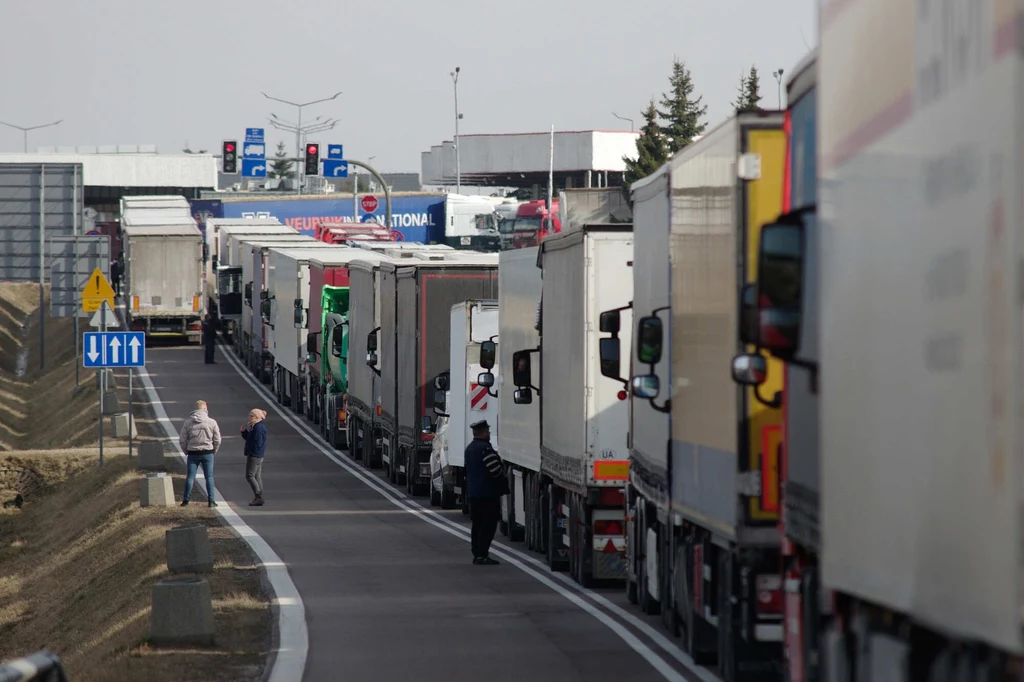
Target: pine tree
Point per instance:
(683, 113)
(281, 165)
(651, 150)
(753, 87)
(741, 93)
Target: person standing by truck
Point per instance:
(209, 338)
(486, 480)
(115, 275)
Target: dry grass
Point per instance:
(78, 560)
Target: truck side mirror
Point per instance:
(485, 379)
(442, 381)
(311, 342)
(522, 374)
(371, 359)
(310, 358)
(439, 402)
(649, 335)
(371, 341)
(749, 369)
(426, 426)
(248, 294)
(337, 340)
(608, 349)
(609, 322)
(780, 287)
(522, 396)
(264, 295)
(488, 351)
(646, 386)
(265, 310)
(748, 315)
(297, 313)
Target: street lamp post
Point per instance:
(623, 118)
(778, 80)
(299, 129)
(25, 130)
(458, 155)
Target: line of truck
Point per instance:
(794, 439)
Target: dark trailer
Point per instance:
(426, 291)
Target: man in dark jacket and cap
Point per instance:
(209, 338)
(485, 478)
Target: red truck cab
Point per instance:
(533, 223)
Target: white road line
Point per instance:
(289, 662)
(513, 556)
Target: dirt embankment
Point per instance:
(79, 556)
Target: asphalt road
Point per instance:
(388, 586)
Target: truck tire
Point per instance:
(446, 497)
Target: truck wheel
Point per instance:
(530, 539)
(446, 497)
(409, 478)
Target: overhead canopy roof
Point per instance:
(512, 158)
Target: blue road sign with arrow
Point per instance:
(114, 349)
(254, 168)
(334, 165)
(335, 169)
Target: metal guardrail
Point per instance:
(43, 666)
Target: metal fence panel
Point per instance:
(72, 260)
(37, 201)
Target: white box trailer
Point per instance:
(649, 489)
(519, 287)
(584, 419)
(172, 205)
(472, 323)
(225, 248)
(364, 382)
(290, 295)
(246, 244)
(920, 340)
(224, 284)
(163, 278)
(261, 339)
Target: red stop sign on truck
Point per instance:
(369, 203)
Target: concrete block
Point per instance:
(182, 612)
(156, 491)
(111, 381)
(120, 423)
(151, 456)
(188, 549)
(111, 404)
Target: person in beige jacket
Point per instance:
(200, 441)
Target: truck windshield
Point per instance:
(230, 282)
(526, 224)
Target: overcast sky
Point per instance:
(147, 72)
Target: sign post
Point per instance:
(105, 349)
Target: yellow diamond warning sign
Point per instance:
(96, 291)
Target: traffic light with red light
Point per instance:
(229, 157)
(313, 159)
